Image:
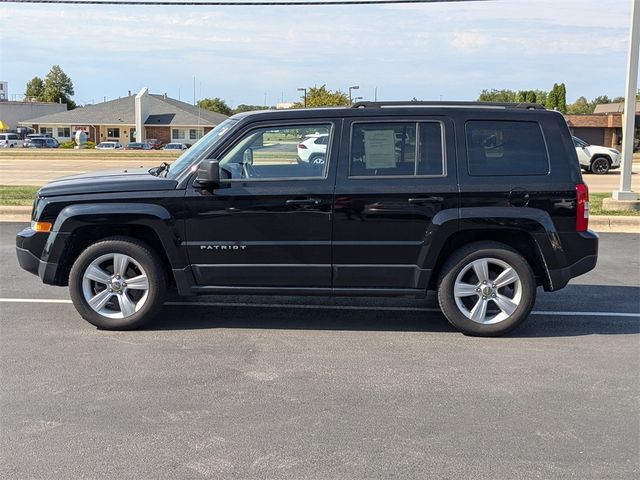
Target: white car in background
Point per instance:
(109, 146)
(596, 159)
(313, 149)
(10, 140)
(175, 146)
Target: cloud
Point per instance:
(469, 41)
(454, 49)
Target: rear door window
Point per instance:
(505, 148)
(397, 149)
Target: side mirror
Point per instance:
(208, 175)
(247, 156)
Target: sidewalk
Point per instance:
(618, 224)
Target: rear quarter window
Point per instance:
(505, 148)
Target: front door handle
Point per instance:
(304, 202)
(423, 200)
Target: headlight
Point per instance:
(614, 151)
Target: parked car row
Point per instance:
(41, 140)
(150, 144)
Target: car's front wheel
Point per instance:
(486, 289)
(600, 165)
(117, 283)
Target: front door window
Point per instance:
(270, 153)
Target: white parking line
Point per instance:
(332, 307)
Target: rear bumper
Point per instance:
(587, 244)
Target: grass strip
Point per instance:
(17, 195)
(595, 207)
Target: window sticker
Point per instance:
(379, 149)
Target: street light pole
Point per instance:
(625, 192)
(355, 87)
(305, 95)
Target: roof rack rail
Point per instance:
(521, 105)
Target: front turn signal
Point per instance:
(41, 226)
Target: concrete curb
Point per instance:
(621, 224)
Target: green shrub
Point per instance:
(90, 145)
(68, 144)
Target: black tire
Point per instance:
(496, 255)
(143, 259)
(316, 162)
(600, 165)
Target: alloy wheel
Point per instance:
(488, 291)
(115, 285)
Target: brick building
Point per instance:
(156, 116)
(603, 126)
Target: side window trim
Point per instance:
(417, 123)
(266, 126)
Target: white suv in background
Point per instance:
(313, 149)
(10, 140)
(596, 159)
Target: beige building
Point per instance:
(155, 116)
(603, 126)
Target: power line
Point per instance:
(235, 4)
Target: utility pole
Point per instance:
(303, 89)
(625, 192)
(355, 87)
(194, 90)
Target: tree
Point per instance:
(580, 107)
(495, 95)
(529, 96)
(323, 97)
(248, 108)
(557, 98)
(215, 105)
(35, 89)
(562, 98)
(58, 87)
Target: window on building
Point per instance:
(177, 134)
(391, 149)
(46, 131)
(195, 133)
(64, 132)
(497, 148)
(113, 132)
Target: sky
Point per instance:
(261, 55)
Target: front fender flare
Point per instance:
(155, 217)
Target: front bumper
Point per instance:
(32, 264)
(30, 248)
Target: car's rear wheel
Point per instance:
(317, 161)
(486, 289)
(117, 283)
(600, 165)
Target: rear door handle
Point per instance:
(304, 202)
(423, 200)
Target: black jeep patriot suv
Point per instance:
(481, 202)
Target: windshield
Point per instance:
(205, 143)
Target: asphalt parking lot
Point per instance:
(315, 388)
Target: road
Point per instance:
(320, 388)
(39, 169)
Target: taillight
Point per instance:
(302, 146)
(582, 211)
